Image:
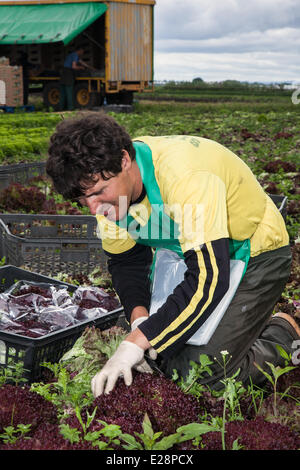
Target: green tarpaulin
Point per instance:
(27, 24)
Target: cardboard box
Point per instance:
(11, 85)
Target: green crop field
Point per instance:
(261, 125)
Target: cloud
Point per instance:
(252, 67)
(276, 40)
(203, 19)
(257, 40)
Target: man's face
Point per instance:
(111, 197)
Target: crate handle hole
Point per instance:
(2, 352)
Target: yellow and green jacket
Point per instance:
(203, 202)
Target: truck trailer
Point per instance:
(117, 37)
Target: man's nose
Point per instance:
(93, 204)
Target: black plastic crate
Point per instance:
(52, 244)
(31, 352)
(60, 243)
(281, 203)
(20, 173)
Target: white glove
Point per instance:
(126, 356)
(151, 351)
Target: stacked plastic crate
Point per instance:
(11, 84)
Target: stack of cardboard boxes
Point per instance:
(11, 84)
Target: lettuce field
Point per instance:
(155, 413)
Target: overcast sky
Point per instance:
(247, 40)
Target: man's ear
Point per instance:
(126, 160)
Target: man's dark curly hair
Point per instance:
(82, 147)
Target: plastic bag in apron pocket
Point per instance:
(169, 272)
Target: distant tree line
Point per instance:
(199, 83)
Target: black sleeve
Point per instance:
(130, 273)
(205, 283)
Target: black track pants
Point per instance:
(244, 331)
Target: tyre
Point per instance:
(51, 95)
(83, 98)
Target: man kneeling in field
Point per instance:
(198, 201)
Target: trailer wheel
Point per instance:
(51, 95)
(83, 98)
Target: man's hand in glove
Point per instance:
(126, 356)
(130, 353)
